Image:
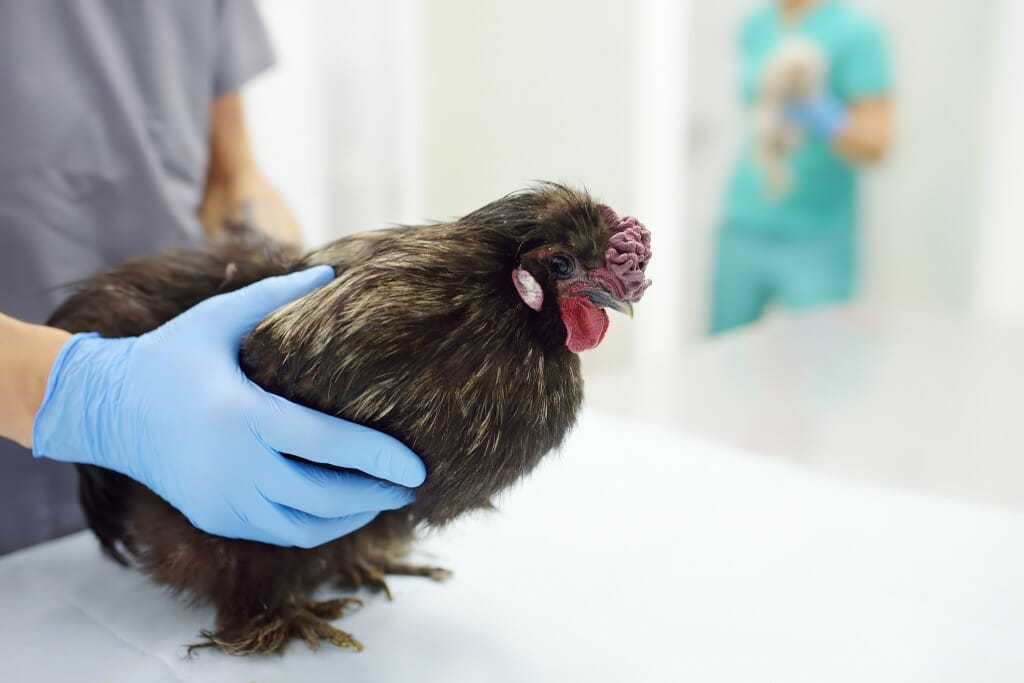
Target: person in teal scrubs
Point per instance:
(799, 248)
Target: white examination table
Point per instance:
(635, 555)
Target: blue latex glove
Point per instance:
(821, 116)
(173, 410)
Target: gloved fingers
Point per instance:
(285, 526)
(311, 435)
(231, 316)
(325, 493)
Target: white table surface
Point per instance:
(635, 555)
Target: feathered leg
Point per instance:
(371, 575)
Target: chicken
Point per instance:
(795, 71)
(460, 339)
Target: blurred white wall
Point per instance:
(998, 282)
(921, 208)
(661, 175)
(336, 123)
(523, 90)
(288, 116)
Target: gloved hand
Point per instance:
(173, 410)
(821, 116)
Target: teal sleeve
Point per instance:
(745, 35)
(750, 40)
(863, 68)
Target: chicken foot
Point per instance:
(272, 632)
(372, 575)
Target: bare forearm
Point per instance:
(27, 353)
(247, 200)
(236, 193)
(865, 138)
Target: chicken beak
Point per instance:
(601, 297)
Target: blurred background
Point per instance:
(394, 111)
(406, 110)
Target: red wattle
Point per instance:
(585, 323)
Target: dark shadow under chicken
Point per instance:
(458, 338)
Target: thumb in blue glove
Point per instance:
(173, 410)
(821, 115)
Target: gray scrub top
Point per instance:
(104, 133)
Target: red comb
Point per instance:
(629, 252)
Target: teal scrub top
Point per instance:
(824, 192)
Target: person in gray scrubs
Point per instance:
(121, 134)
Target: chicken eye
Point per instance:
(561, 265)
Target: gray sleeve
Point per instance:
(243, 49)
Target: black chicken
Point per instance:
(458, 338)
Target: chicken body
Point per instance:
(423, 335)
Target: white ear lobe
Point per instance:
(529, 289)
